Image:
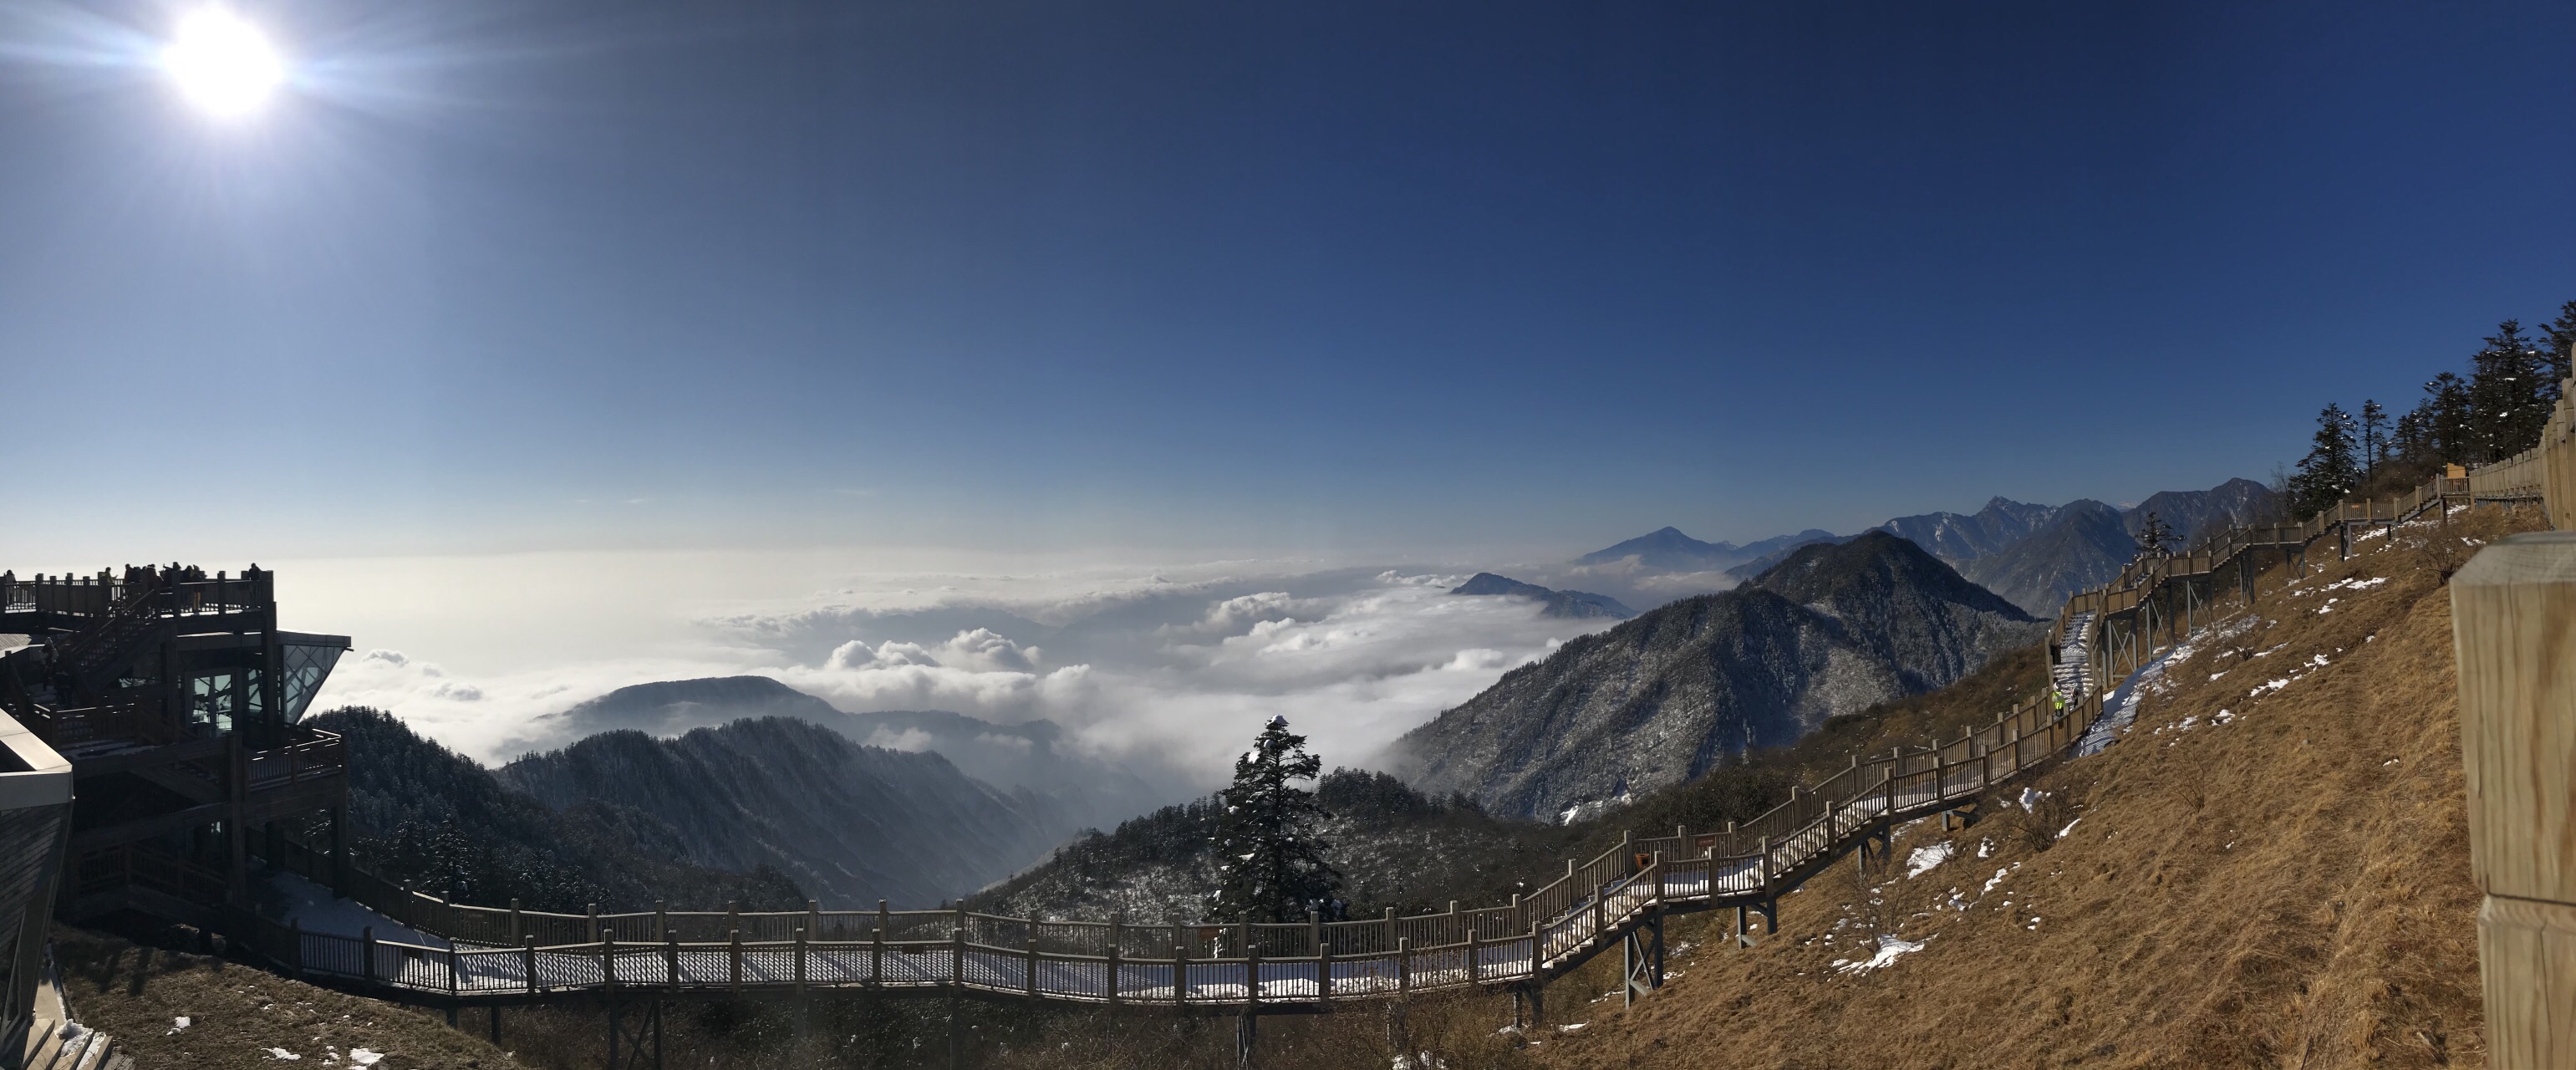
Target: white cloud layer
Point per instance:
(1170, 669)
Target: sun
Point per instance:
(222, 63)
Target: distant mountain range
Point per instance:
(1659, 699)
(1079, 789)
(1668, 550)
(2033, 555)
(1568, 604)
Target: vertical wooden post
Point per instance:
(1117, 936)
(1766, 867)
(1033, 960)
(876, 955)
(957, 956)
(517, 925)
(800, 960)
(1475, 949)
(661, 921)
(367, 954)
(2513, 612)
(1323, 971)
(733, 940)
(1180, 965)
(1251, 978)
(528, 960)
(1403, 966)
(1600, 911)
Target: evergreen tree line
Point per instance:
(2497, 411)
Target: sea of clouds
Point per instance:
(1167, 669)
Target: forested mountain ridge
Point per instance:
(431, 818)
(1083, 789)
(850, 823)
(1661, 698)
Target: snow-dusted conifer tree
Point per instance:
(1270, 852)
(2329, 471)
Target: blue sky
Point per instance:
(1337, 279)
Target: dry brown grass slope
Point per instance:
(237, 1013)
(2277, 879)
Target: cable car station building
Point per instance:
(176, 698)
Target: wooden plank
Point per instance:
(2514, 625)
(2513, 619)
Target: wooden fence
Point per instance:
(2513, 619)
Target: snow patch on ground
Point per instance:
(2120, 708)
(1999, 876)
(1890, 948)
(1925, 859)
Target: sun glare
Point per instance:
(222, 63)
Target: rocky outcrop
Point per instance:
(1659, 699)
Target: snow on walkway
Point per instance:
(2120, 707)
(290, 898)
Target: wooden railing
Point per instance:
(99, 596)
(127, 865)
(2513, 609)
(73, 728)
(310, 752)
(515, 953)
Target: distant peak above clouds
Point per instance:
(1566, 604)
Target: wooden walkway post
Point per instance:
(1117, 936)
(2513, 618)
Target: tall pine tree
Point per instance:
(2442, 425)
(2505, 397)
(2558, 348)
(1270, 854)
(2154, 535)
(2329, 471)
(2374, 436)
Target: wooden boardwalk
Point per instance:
(508, 956)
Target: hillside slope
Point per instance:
(1958, 539)
(240, 1017)
(2192, 513)
(1082, 789)
(849, 823)
(431, 818)
(1662, 698)
(2080, 548)
(2270, 868)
